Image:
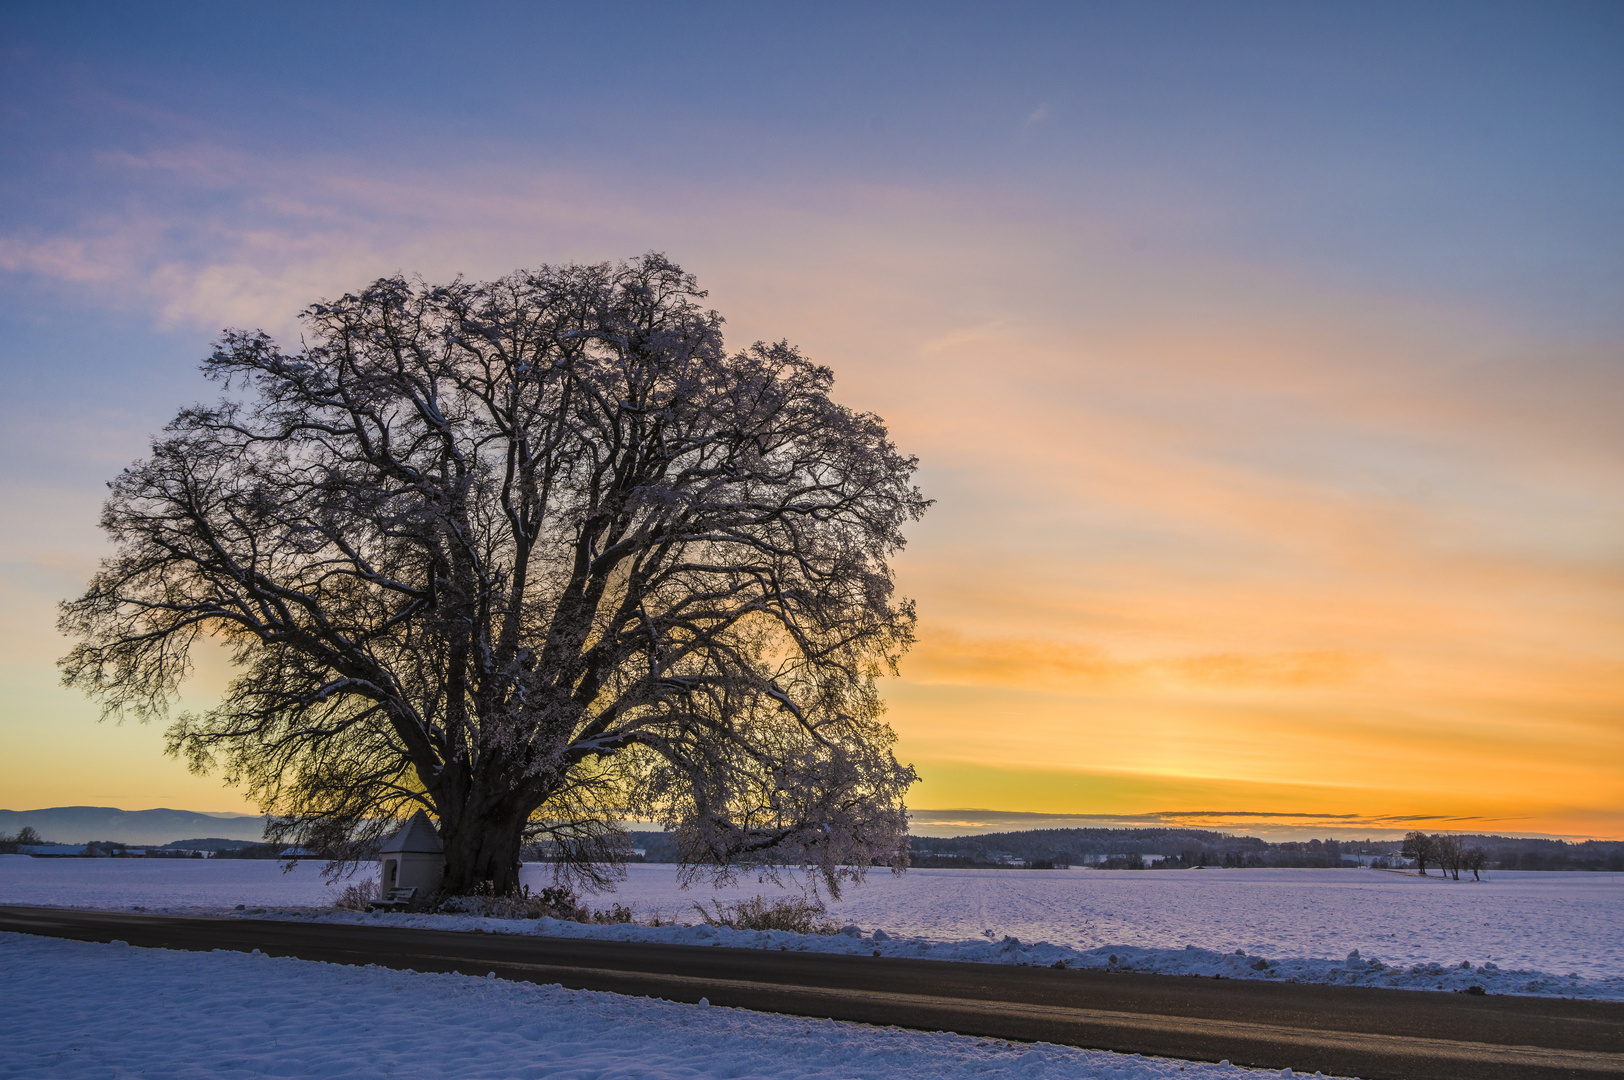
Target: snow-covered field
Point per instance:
(1521, 933)
(76, 1009)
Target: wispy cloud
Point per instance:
(946, 656)
(1268, 825)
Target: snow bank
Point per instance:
(76, 1009)
(1352, 970)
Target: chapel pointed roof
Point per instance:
(417, 835)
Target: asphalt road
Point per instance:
(1341, 1031)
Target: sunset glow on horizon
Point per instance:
(1266, 367)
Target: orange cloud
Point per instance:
(945, 656)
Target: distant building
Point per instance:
(51, 851)
(1380, 860)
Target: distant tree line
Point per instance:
(1109, 849)
(212, 847)
(1120, 849)
(1173, 848)
(1454, 853)
(1059, 848)
(29, 837)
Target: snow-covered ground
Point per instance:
(1521, 933)
(76, 1009)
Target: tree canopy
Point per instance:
(537, 555)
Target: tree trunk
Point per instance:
(482, 853)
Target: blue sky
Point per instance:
(1472, 150)
(1279, 334)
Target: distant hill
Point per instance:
(82, 824)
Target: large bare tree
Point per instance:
(537, 555)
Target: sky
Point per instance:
(1266, 361)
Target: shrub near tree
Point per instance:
(537, 555)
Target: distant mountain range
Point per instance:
(82, 824)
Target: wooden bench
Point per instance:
(396, 900)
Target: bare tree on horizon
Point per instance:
(1450, 852)
(1419, 846)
